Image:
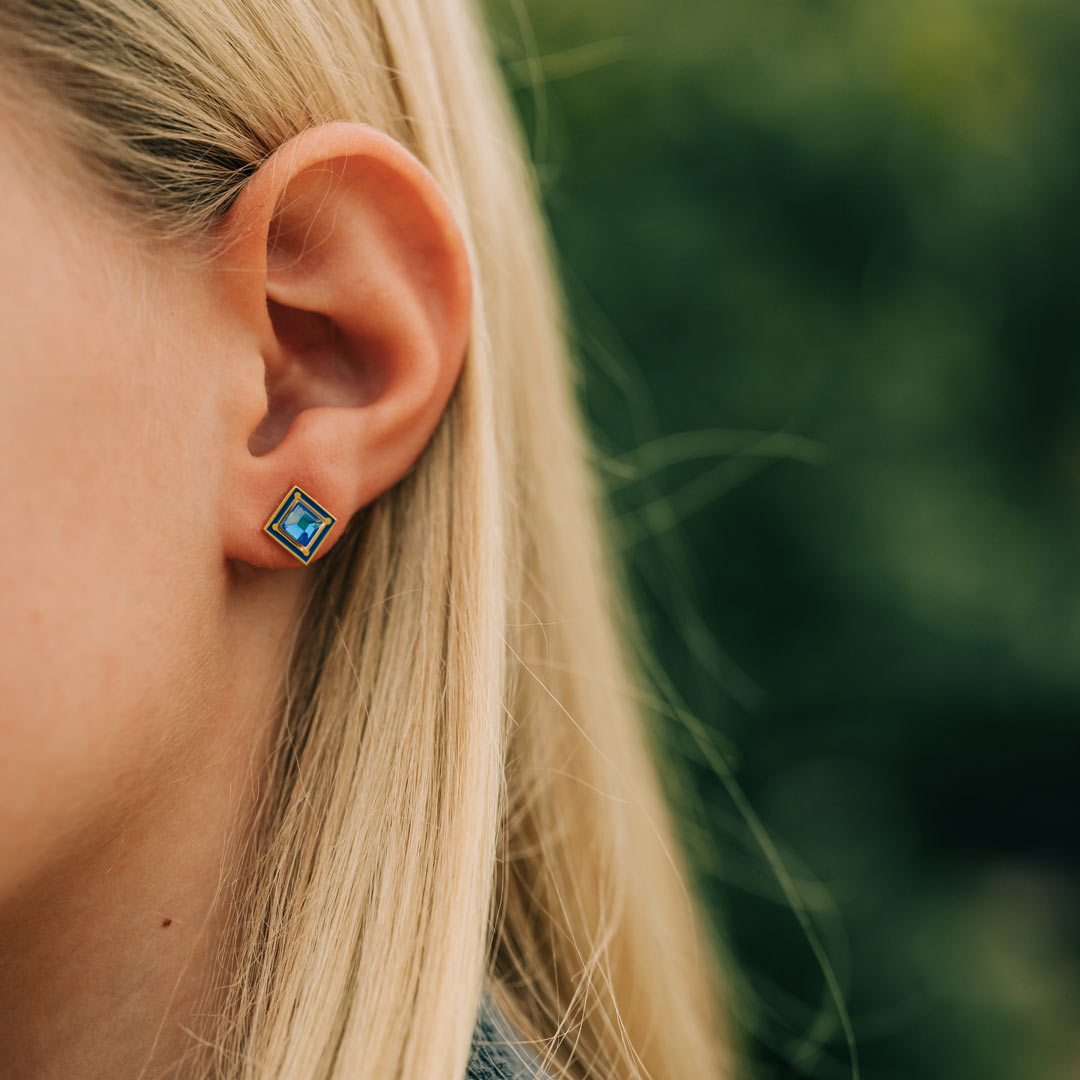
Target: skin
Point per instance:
(153, 413)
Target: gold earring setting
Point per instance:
(300, 524)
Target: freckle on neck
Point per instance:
(166, 922)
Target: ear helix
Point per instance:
(300, 524)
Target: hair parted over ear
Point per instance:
(347, 279)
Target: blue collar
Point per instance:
(498, 1052)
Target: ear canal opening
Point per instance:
(316, 365)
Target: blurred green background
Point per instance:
(823, 264)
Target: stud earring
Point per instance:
(300, 524)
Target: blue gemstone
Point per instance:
(301, 524)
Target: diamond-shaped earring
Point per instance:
(300, 524)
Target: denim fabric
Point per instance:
(497, 1050)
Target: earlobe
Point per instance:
(345, 270)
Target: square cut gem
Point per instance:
(302, 525)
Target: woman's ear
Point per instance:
(349, 278)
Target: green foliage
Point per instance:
(822, 257)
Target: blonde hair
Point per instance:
(465, 791)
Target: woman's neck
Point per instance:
(111, 948)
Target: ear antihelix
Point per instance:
(300, 524)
